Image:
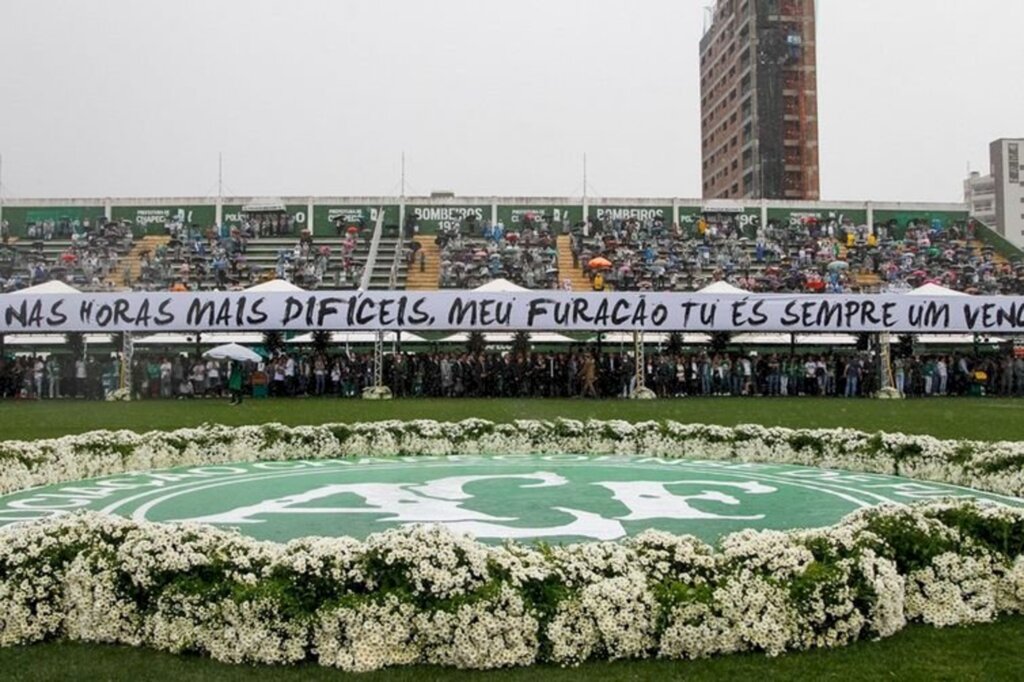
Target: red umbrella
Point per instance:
(599, 262)
(352, 229)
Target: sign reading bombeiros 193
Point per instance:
(530, 310)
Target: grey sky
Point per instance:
(136, 97)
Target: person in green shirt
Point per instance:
(236, 382)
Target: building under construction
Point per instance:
(759, 101)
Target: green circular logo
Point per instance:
(555, 498)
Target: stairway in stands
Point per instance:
(133, 261)
(566, 271)
(978, 246)
(429, 279)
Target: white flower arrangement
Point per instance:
(425, 595)
(994, 467)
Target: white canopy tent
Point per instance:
(934, 290)
(361, 337)
(274, 286)
(217, 338)
(233, 351)
(51, 339)
(959, 339)
(264, 206)
(722, 288)
(649, 338)
(500, 285)
(507, 337)
(51, 287)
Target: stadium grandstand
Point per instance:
(464, 243)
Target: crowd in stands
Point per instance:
(197, 259)
(579, 373)
(92, 253)
(801, 256)
(524, 255)
(807, 256)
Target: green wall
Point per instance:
(903, 218)
(513, 216)
(324, 215)
(152, 219)
(642, 213)
(794, 216)
(431, 218)
(18, 217)
(232, 215)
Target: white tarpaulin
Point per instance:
(541, 310)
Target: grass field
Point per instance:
(989, 652)
(981, 419)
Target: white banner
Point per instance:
(530, 310)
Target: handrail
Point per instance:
(371, 257)
(397, 260)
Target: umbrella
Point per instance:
(599, 262)
(838, 265)
(352, 229)
(233, 351)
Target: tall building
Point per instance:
(980, 197)
(759, 101)
(998, 199)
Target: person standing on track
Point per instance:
(236, 381)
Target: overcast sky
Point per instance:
(137, 97)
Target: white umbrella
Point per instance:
(232, 351)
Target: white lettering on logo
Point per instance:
(440, 501)
(652, 500)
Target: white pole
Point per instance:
(218, 214)
(586, 208)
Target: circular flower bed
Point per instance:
(424, 595)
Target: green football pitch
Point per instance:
(988, 652)
(981, 419)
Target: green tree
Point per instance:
(321, 342)
(720, 341)
(273, 342)
(476, 343)
(521, 344)
(75, 342)
(675, 344)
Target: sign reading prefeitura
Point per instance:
(154, 219)
(514, 217)
(553, 498)
(328, 219)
